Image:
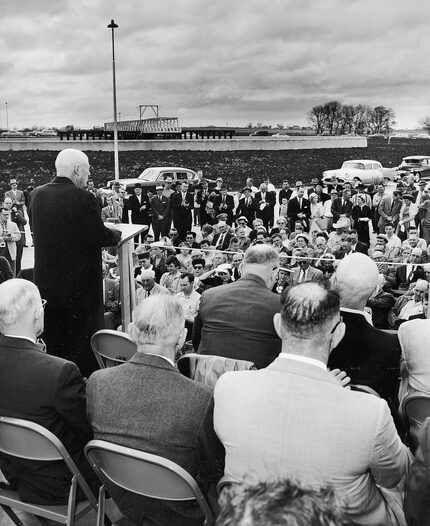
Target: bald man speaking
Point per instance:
(68, 236)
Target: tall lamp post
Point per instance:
(113, 26)
(7, 117)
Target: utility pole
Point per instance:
(113, 26)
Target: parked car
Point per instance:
(362, 170)
(280, 134)
(414, 164)
(259, 133)
(47, 132)
(376, 136)
(399, 136)
(12, 133)
(151, 177)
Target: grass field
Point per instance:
(233, 167)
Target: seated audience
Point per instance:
(44, 389)
(411, 272)
(111, 301)
(170, 279)
(277, 503)
(147, 404)
(149, 287)
(368, 355)
(227, 328)
(189, 300)
(295, 420)
(304, 271)
(410, 305)
(380, 302)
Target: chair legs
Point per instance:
(12, 516)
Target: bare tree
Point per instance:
(381, 119)
(316, 117)
(425, 123)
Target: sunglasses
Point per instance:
(198, 267)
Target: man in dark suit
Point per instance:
(410, 273)
(160, 205)
(266, 202)
(221, 241)
(369, 356)
(203, 197)
(140, 206)
(299, 209)
(356, 245)
(342, 206)
(285, 191)
(68, 236)
(232, 321)
(125, 407)
(182, 204)
(224, 204)
(247, 206)
(41, 388)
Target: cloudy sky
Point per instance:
(211, 61)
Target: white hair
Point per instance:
(356, 278)
(67, 160)
(158, 320)
(18, 299)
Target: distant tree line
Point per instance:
(335, 118)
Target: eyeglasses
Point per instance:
(44, 302)
(198, 267)
(337, 325)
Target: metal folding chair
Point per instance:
(413, 410)
(24, 439)
(144, 474)
(112, 348)
(364, 389)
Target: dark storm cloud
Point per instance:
(212, 62)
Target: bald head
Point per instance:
(21, 311)
(74, 165)
(356, 279)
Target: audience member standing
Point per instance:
(294, 419)
(182, 204)
(17, 196)
(160, 205)
(139, 205)
(9, 235)
(68, 237)
(236, 319)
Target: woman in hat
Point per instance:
(406, 217)
(362, 215)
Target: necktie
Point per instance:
(223, 199)
(411, 274)
(148, 293)
(300, 203)
(248, 202)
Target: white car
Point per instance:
(280, 134)
(12, 133)
(421, 136)
(151, 177)
(362, 170)
(47, 132)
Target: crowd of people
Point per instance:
(283, 296)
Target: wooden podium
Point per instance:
(126, 270)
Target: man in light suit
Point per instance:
(304, 272)
(235, 320)
(147, 404)
(389, 210)
(17, 196)
(295, 420)
(112, 212)
(9, 235)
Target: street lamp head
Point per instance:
(112, 25)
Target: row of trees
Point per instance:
(335, 118)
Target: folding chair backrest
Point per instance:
(28, 440)
(141, 472)
(112, 346)
(416, 407)
(364, 389)
(25, 439)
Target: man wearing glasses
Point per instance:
(41, 388)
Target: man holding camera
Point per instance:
(9, 235)
(17, 217)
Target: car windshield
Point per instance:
(353, 166)
(413, 161)
(150, 175)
